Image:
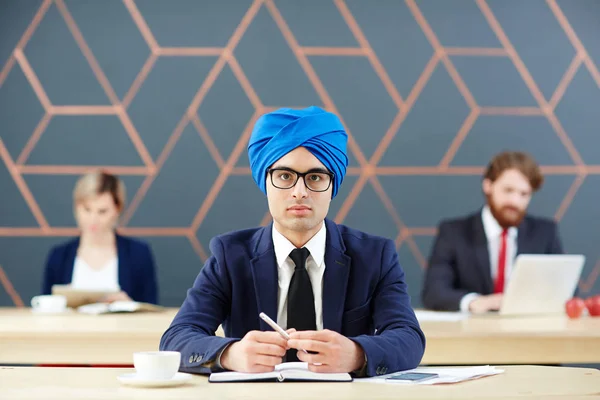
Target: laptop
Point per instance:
(541, 283)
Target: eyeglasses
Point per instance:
(314, 180)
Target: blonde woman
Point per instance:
(101, 259)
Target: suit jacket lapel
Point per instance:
(523, 242)
(482, 254)
(124, 266)
(335, 278)
(264, 274)
(70, 261)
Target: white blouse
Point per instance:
(103, 279)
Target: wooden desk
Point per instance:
(27, 338)
(100, 383)
(506, 340)
(73, 338)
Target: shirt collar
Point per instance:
(316, 245)
(492, 228)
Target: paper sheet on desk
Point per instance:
(446, 375)
(426, 315)
(117, 307)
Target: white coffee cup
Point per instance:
(49, 303)
(156, 365)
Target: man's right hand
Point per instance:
(482, 304)
(257, 352)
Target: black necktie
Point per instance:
(301, 301)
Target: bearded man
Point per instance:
(472, 257)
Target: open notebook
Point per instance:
(290, 371)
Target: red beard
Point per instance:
(506, 216)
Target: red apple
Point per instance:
(593, 305)
(575, 307)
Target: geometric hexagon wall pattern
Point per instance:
(165, 94)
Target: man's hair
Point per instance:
(518, 160)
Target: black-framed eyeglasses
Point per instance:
(315, 180)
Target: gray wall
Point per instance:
(165, 94)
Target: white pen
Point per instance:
(274, 325)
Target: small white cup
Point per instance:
(156, 365)
(49, 303)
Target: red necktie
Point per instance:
(499, 286)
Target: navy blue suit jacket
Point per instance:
(137, 272)
(364, 298)
(460, 263)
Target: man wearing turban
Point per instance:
(339, 292)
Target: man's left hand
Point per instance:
(334, 352)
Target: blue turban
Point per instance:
(277, 133)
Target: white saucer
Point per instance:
(133, 380)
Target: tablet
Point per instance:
(78, 297)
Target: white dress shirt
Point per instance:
(315, 265)
(493, 233)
